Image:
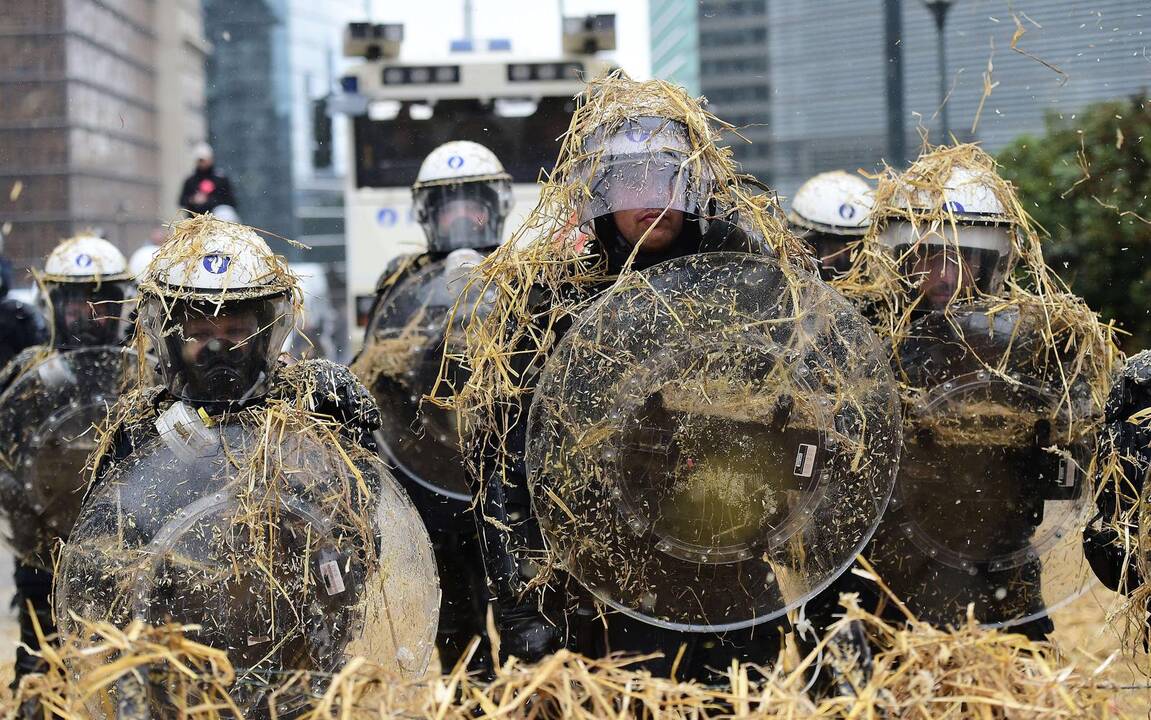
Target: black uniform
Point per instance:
(215, 186)
(33, 597)
(978, 501)
(336, 393)
(534, 623)
(1130, 443)
(21, 325)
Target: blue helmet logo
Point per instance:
(638, 134)
(84, 260)
(217, 264)
(387, 217)
(847, 211)
(455, 162)
(953, 206)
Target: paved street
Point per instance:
(9, 630)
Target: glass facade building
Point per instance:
(735, 75)
(273, 65)
(829, 104)
(805, 81)
(675, 43)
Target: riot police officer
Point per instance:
(997, 421)
(250, 486)
(667, 508)
(461, 198)
(1110, 540)
(52, 394)
(830, 211)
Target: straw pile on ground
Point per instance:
(917, 672)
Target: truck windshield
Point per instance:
(389, 152)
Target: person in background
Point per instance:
(139, 260)
(830, 211)
(206, 189)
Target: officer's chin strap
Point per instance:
(247, 396)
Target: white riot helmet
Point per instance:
(831, 210)
(645, 163)
(85, 287)
(953, 241)
(461, 197)
(141, 259)
(227, 213)
(217, 305)
(642, 163)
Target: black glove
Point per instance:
(333, 390)
(1104, 555)
(526, 633)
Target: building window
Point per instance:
(737, 65)
(738, 94)
(739, 36)
(731, 8)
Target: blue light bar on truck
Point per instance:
(528, 72)
(421, 74)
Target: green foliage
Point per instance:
(1087, 182)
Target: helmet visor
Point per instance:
(950, 263)
(645, 164)
(455, 217)
(944, 274)
(218, 353)
(88, 314)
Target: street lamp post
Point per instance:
(939, 10)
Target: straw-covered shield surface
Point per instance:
(713, 441)
(992, 487)
(47, 428)
(291, 549)
(404, 356)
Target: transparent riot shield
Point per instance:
(289, 549)
(713, 442)
(401, 362)
(48, 419)
(992, 488)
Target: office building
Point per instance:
(273, 65)
(734, 75)
(100, 100)
(828, 106)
